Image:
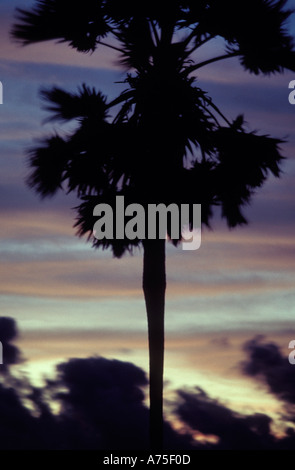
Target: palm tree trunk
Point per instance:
(154, 286)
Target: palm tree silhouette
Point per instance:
(162, 140)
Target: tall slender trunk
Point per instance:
(154, 286)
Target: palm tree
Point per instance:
(163, 139)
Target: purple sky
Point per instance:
(71, 301)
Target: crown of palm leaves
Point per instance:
(168, 142)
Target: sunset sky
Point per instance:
(71, 301)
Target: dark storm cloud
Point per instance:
(17, 426)
(209, 416)
(107, 395)
(234, 431)
(8, 333)
(102, 407)
(266, 363)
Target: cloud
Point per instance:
(106, 394)
(211, 418)
(232, 430)
(17, 426)
(102, 406)
(224, 429)
(8, 334)
(267, 364)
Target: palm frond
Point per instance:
(66, 106)
(174, 113)
(85, 221)
(255, 29)
(47, 163)
(138, 46)
(79, 24)
(244, 162)
(162, 116)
